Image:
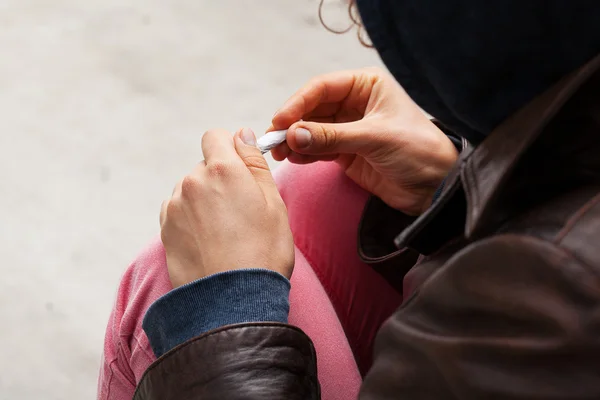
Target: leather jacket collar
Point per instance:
(469, 203)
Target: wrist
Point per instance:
(444, 158)
(442, 162)
(232, 297)
(434, 157)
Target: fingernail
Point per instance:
(248, 137)
(303, 137)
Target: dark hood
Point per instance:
(472, 63)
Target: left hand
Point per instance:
(369, 125)
(226, 214)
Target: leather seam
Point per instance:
(408, 235)
(575, 218)
(559, 248)
(375, 260)
(472, 182)
(584, 264)
(360, 247)
(534, 239)
(556, 246)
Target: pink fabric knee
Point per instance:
(325, 208)
(127, 352)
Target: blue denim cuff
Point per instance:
(247, 295)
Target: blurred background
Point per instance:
(102, 107)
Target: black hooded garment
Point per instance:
(472, 63)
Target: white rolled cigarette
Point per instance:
(271, 140)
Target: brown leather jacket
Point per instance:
(503, 304)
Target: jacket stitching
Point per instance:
(576, 217)
(530, 240)
(472, 181)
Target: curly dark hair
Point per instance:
(355, 22)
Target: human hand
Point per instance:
(367, 123)
(226, 214)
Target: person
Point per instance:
(332, 288)
(503, 302)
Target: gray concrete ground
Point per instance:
(102, 105)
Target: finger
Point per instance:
(176, 190)
(163, 212)
(328, 88)
(329, 113)
(296, 158)
(245, 145)
(322, 120)
(217, 145)
(323, 110)
(315, 138)
(315, 118)
(280, 152)
(345, 113)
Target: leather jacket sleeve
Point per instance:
(242, 361)
(507, 318)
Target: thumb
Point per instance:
(245, 145)
(306, 137)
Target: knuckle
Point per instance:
(172, 209)
(214, 136)
(220, 169)
(318, 85)
(369, 76)
(314, 81)
(330, 137)
(164, 237)
(321, 89)
(207, 135)
(190, 185)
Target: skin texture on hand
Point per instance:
(367, 123)
(226, 214)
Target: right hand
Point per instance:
(226, 214)
(366, 122)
